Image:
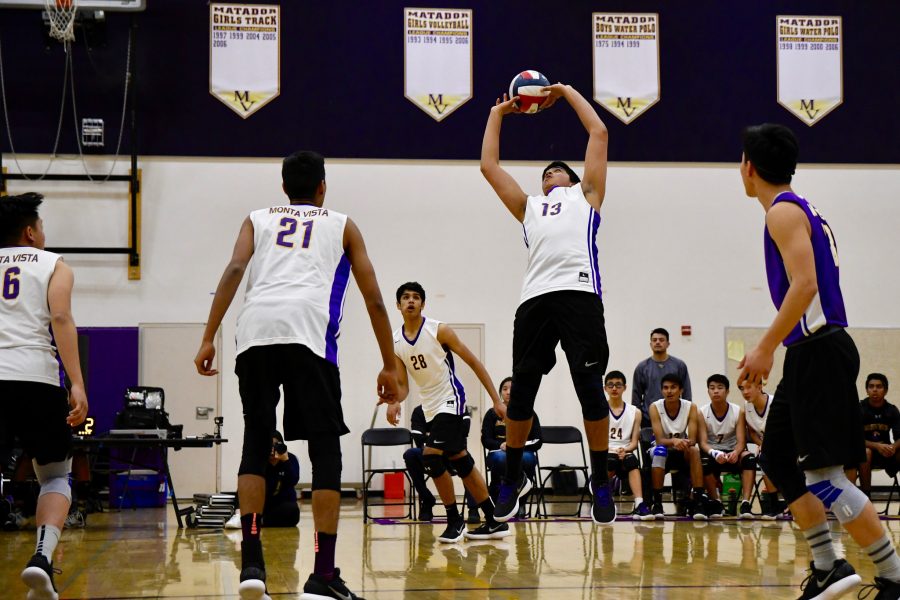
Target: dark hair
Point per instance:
(660, 331)
(411, 286)
(773, 150)
(17, 213)
(301, 173)
(879, 377)
(500, 387)
(718, 378)
(671, 378)
(615, 375)
(573, 177)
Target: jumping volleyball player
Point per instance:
(814, 421)
(560, 297)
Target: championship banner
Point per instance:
(244, 55)
(810, 72)
(437, 59)
(626, 62)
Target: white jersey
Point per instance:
(561, 236)
(621, 426)
(722, 433)
(298, 279)
(27, 352)
(674, 426)
(756, 421)
(431, 367)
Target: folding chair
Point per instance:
(385, 436)
(895, 489)
(564, 434)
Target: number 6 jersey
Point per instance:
(298, 280)
(431, 366)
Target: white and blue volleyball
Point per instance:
(527, 86)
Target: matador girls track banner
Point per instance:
(810, 72)
(244, 55)
(626, 63)
(437, 59)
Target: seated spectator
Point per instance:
(282, 474)
(624, 437)
(676, 425)
(880, 419)
(756, 412)
(648, 374)
(723, 442)
(493, 438)
(413, 459)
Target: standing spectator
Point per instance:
(880, 419)
(648, 375)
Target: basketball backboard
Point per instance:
(107, 5)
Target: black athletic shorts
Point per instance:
(447, 433)
(568, 316)
(815, 417)
(890, 465)
(312, 390)
(621, 468)
(35, 413)
(713, 467)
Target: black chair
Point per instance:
(385, 436)
(564, 434)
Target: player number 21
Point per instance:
(11, 283)
(290, 228)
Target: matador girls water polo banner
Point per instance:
(810, 71)
(244, 55)
(437, 59)
(626, 63)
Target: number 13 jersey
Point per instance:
(431, 366)
(298, 280)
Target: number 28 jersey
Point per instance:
(298, 280)
(431, 366)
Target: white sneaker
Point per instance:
(234, 522)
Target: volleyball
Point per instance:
(527, 86)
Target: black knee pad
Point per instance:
(257, 448)
(433, 465)
(707, 463)
(748, 463)
(325, 456)
(463, 465)
(786, 475)
(522, 394)
(589, 389)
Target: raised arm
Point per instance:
(504, 185)
(228, 285)
(59, 299)
(448, 338)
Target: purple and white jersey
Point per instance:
(298, 279)
(827, 307)
(431, 366)
(561, 236)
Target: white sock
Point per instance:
(638, 501)
(47, 539)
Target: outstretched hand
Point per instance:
(507, 105)
(555, 91)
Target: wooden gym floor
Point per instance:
(142, 554)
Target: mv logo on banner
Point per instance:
(626, 63)
(810, 71)
(244, 55)
(437, 59)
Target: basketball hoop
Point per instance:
(62, 19)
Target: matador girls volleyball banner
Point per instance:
(810, 80)
(437, 59)
(626, 63)
(244, 55)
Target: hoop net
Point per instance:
(62, 19)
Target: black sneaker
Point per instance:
(839, 580)
(253, 584)
(508, 497)
(489, 532)
(316, 587)
(603, 510)
(716, 509)
(425, 510)
(887, 589)
(698, 509)
(38, 576)
(642, 513)
(746, 511)
(657, 512)
(453, 533)
(472, 518)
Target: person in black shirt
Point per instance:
(282, 474)
(493, 438)
(880, 419)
